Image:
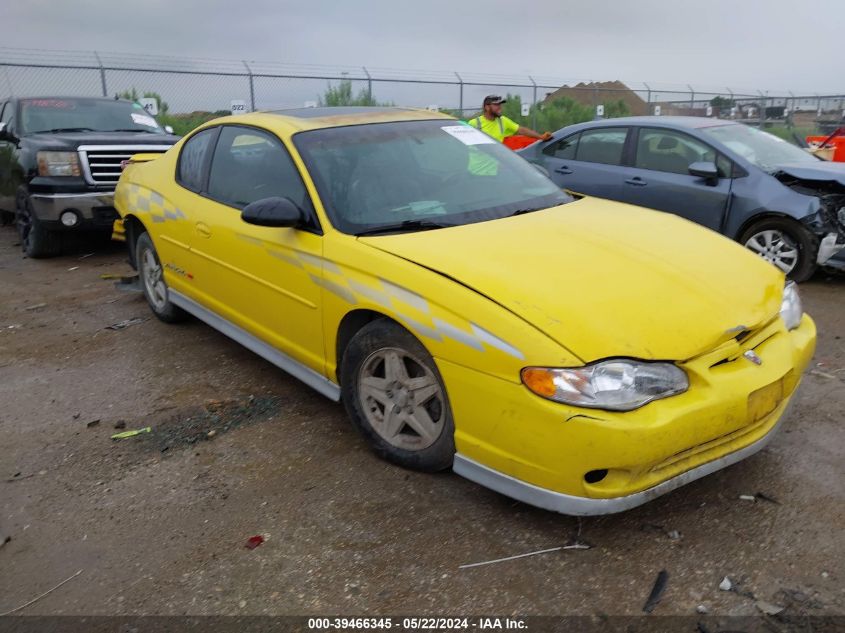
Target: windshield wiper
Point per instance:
(530, 210)
(407, 225)
(132, 129)
(58, 130)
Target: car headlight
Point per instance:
(58, 164)
(791, 309)
(617, 385)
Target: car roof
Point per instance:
(315, 118)
(682, 122)
(61, 97)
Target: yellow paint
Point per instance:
(589, 280)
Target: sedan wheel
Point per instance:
(152, 279)
(776, 248)
(401, 399)
(395, 396)
(785, 243)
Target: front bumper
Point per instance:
(584, 506)
(542, 452)
(95, 210)
(832, 251)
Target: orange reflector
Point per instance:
(539, 380)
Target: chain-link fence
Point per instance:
(193, 90)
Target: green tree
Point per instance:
(342, 95)
(721, 102)
(132, 95)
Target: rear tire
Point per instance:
(395, 396)
(151, 274)
(786, 244)
(36, 241)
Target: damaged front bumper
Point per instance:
(831, 246)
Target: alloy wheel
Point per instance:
(151, 273)
(402, 399)
(775, 247)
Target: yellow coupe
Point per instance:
(583, 356)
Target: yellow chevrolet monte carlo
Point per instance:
(582, 356)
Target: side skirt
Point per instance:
(296, 369)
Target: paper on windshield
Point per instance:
(143, 119)
(467, 135)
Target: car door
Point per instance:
(173, 210)
(262, 279)
(589, 161)
(659, 177)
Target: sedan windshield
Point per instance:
(764, 150)
(85, 115)
(419, 175)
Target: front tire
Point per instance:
(395, 396)
(151, 274)
(784, 243)
(36, 241)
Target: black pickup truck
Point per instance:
(60, 159)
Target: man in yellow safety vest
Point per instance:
(491, 121)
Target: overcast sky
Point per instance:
(771, 45)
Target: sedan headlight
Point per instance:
(617, 385)
(791, 309)
(58, 164)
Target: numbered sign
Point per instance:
(656, 110)
(526, 109)
(239, 106)
(149, 104)
(599, 110)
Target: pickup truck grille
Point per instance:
(101, 163)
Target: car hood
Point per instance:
(75, 139)
(606, 279)
(824, 171)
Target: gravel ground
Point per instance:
(158, 523)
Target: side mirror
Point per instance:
(168, 129)
(5, 134)
(705, 170)
(278, 212)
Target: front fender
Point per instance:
(454, 322)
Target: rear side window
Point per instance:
(564, 148)
(192, 160)
(602, 145)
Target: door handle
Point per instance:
(636, 181)
(203, 230)
(563, 170)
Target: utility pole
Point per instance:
(534, 109)
(369, 85)
(460, 93)
(251, 87)
(102, 75)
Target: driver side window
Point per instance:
(250, 165)
(674, 152)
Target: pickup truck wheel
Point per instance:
(151, 274)
(36, 241)
(395, 396)
(784, 243)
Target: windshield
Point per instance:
(764, 150)
(417, 175)
(85, 115)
